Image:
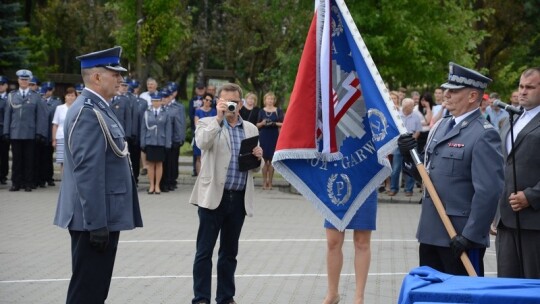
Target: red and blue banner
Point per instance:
(341, 123)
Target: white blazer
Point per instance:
(214, 141)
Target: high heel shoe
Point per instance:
(334, 301)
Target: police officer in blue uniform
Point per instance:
(4, 143)
(78, 88)
(121, 106)
(44, 169)
(25, 123)
(177, 112)
(33, 84)
(464, 160)
(156, 138)
(138, 107)
(167, 171)
(98, 196)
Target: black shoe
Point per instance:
(144, 171)
(42, 185)
(165, 189)
(51, 183)
(27, 189)
(3, 181)
(14, 188)
(34, 186)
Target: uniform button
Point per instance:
(463, 212)
(436, 152)
(432, 167)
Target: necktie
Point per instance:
(23, 94)
(451, 125)
(155, 113)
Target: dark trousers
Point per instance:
(92, 270)
(135, 156)
(226, 221)
(4, 159)
(166, 178)
(49, 167)
(441, 259)
(508, 264)
(175, 154)
(22, 168)
(171, 164)
(194, 165)
(44, 163)
(40, 163)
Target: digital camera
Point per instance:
(231, 106)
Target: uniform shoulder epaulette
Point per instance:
(88, 104)
(487, 125)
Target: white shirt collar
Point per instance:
(462, 117)
(530, 113)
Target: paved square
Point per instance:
(281, 259)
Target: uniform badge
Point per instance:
(488, 125)
(455, 145)
(89, 103)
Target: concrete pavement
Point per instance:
(281, 259)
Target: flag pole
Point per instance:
(440, 209)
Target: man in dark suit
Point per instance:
(464, 160)
(98, 196)
(525, 200)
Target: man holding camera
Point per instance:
(223, 194)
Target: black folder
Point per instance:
(246, 159)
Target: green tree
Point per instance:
(164, 33)
(512, 42)
(13, 53)
(61, 30)
(260, 41)
(412, 41)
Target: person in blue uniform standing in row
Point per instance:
(156, 137)
(4, 143)
(139, 106)
(178, 126)
(98, 196)
(44, 152)
(464, 160)
(121, 106)
(179, 133)
(25, 123)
